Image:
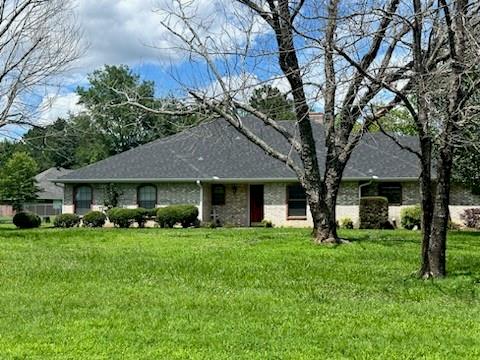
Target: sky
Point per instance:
(115, 32)
(130, 32)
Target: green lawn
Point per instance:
(232, 294)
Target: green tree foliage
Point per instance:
(466, 164)
(398, 121)
(68, 143)
(7, 148)
(272, 102)
(107, 126)
(122, 126)
(17, 180)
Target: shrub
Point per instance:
(411, 217)
(186, 215)
(373, 212)
(346, 223)
(267, 223)
(26, 220)
(94, 219)
(120, 217)
(140, 216)
(66, 221)
(471, 218)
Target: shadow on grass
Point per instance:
(384, 237)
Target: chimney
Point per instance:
(316, 117)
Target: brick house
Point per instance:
(234, 182)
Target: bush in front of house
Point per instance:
(141, 215)
(374, 212)
(411, 217)
(186, 215)
(120, 217)
(26, 220)
(66, 221)
(471, 218)
(94, 219)
(125, 218)
(267, 223)
(346, 223)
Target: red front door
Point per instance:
(256, 203)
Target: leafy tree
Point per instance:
(68, 143)
(121, 126)
(17, 180)
(7, 148)
(466, 164)
(107, 127)
(273, 103)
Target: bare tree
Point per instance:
(459, 70)
(340, 56)
(444, 76)
(38, 41)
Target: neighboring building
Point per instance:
(49, 200)
(233, 181)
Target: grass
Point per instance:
(232, 294)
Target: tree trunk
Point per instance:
(324, 210)
(427, 205)
(324, 225)
(438, 237)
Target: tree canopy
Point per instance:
(17, 180)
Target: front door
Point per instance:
(256, 203)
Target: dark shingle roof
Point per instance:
(48, 189)
(216, 150)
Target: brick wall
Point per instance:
(236, 208)
(235, 211)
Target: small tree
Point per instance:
(111, 195)
(17, 180)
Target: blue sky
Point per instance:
(127, 32)
(130, 32)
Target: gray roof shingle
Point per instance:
(48, 190)
(217, 150)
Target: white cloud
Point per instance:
(54, 106)
(130, 31)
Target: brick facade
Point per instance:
(236, 209)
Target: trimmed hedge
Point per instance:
(66, 221)
(141, 215)
(374, 213)
(26, 220)
(120, 217)
(411, 217)
(94, 219)
(186, 215)
(125, 218)
(471, 218)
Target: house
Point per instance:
(234, 182)
(49, 199)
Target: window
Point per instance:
(147, 196)
(368, 188)
(296, 202)
(392, 191)
(83, 199)
(218, 194)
